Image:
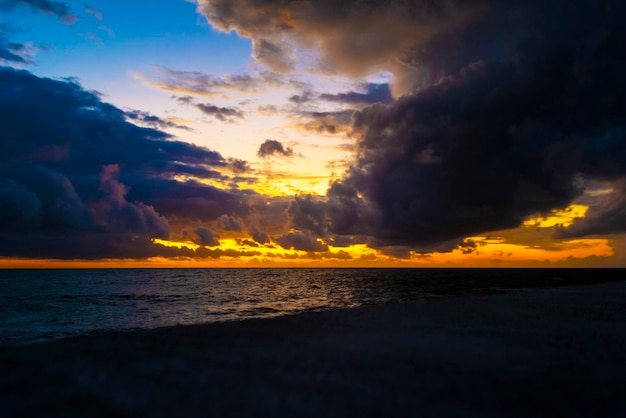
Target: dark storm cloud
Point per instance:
(58, 9)
(308, 213)
(308, 218)
(34, 196)
(372, 93)
(271, 148)
(352, 37)
(498, 139)
(190, 199)
(43, 216)
(86, 245)
(76, 131)
(77, 180)
(224, 114)
(506, 108)
(116, 214)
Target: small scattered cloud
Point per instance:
(94, 12)
(369, 93)
(230, 223)
(325, 123)
(197, 83)
(259, 236)
(268, 110)
(59, 9)
(206, 237)
(304, 97)
(271, 148)
(238, 166)
(152, 121)
(15, 52)
(301, 240)
(224, 114)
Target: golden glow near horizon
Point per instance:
(564, 218)
(238, 250)
(501, 252)
(490, 253)
(487, 251)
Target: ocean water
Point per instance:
(44, 305)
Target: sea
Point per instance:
(44, 305)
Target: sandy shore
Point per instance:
(551, 352)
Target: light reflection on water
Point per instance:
(40, 305)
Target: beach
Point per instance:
(541, 352)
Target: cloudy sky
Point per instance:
(312, 133)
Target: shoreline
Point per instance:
(75, 303)
(534, 352)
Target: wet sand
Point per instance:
(546, 352)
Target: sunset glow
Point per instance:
(238, 133)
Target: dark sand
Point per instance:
(535, 353)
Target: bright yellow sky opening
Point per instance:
(562, 218)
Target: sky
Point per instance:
(284, 133)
